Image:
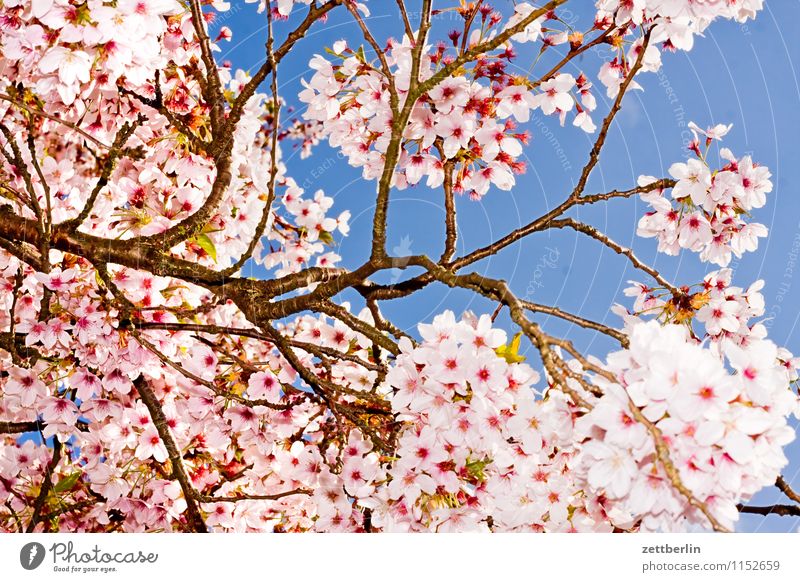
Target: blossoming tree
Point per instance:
(146, 385)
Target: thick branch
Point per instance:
(539, 224)
(782, 510)
(46, 487)
(195, 518)
(786, 489)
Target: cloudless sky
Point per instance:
(740, 74)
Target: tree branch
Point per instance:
(617, 248)
(46, 487)
(148, 397)
(781, 510)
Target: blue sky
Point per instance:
(740, 74)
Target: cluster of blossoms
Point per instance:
(305, 237)
(96, 45)
(481, 451)
(319, 332)
(677, 21)
(706, 211)
(727, 314)
(109, 85)
(673, 25)
(724, 310)
(96, 72)
(468, 121)
(721, 418)
(245, 431)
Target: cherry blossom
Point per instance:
(709, 217)
(185, 347)
(349, 102)
(713, 417)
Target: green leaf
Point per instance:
(330, 51)
(207, 245)
(511, 351)
(475, 468)
(66, 483)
